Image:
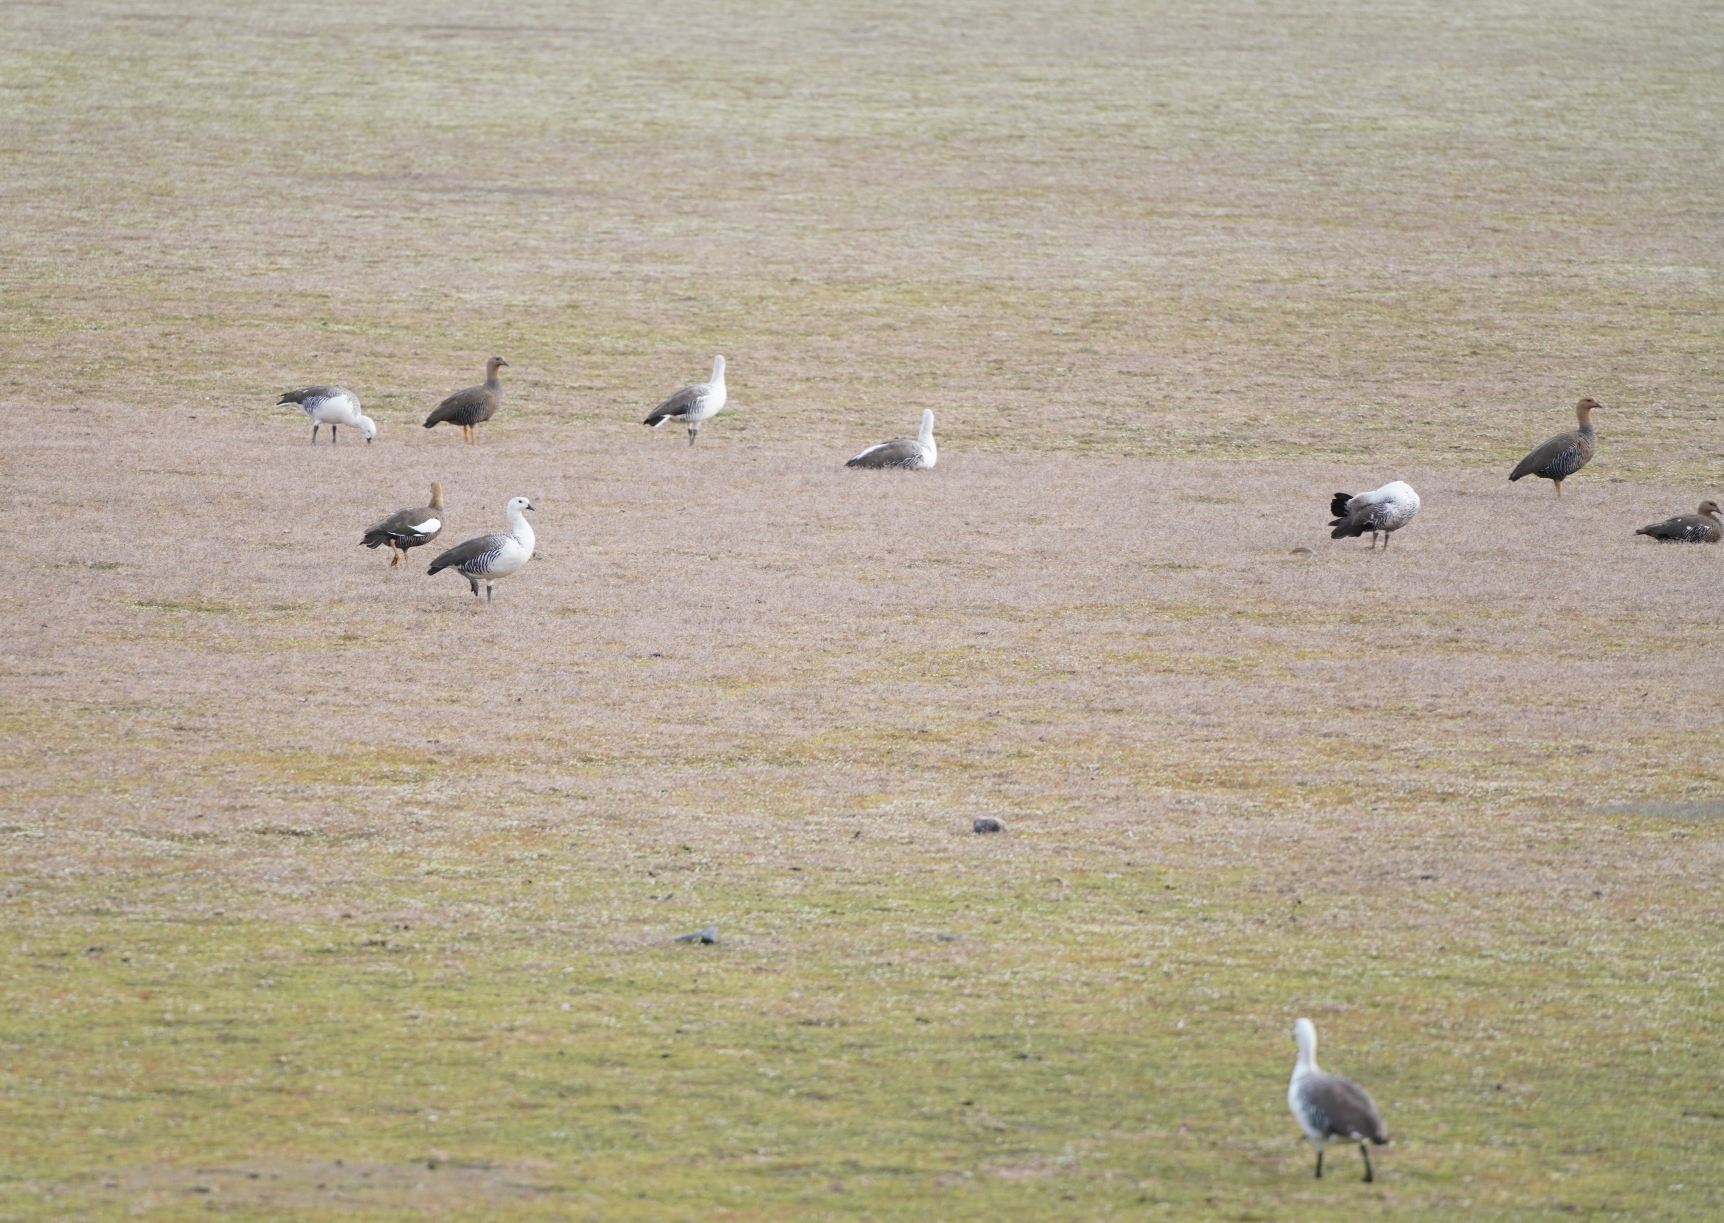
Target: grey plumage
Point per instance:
(491, 558)
(1702, 527)
(693, 404)
(1328, 1106)
(1561, 456)
(987, 823)
(907, 453)
(472, 406)
(708, 934)
(1386, 510)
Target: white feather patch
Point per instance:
(427, 527)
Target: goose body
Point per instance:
(406, 529)
(1386, 509)
(469, 407)
(910, 453)
(1561, 456)
(1701, 527)
(491, 558)
(693, 404)
(1328, 1106)
(332, 406)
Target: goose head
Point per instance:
(368, 427)
(1709, 508)
(492, 366)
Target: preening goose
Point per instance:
(491, 558)
(406, 529)
(475, 404)
(1328, 1106)
(1702, 527)
(693, 404)
(1385, 509)
(332, 406)
(1566, 453)
(911, 453)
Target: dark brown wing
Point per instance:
(1557, 459)
(467, 407)
(1689, 528)
(401, 526)
(899, 452)
(1345, 1109)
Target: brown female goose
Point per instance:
(1702, 527)
(1564, 454)
(406, 529)
(477, 403)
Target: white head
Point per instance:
(516, 505)
(1305, 1032)
(368, 427)
(718, 369)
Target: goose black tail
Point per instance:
(1338, 506)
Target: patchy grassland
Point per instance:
(328, 893)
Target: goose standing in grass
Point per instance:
(468, 408)
(332, 406)
(1566, 453)
(491, 558)
(911, 453)
(406, 529)
(1328, 1106)
(693, 404)
(1701, 527)
(1385, 509)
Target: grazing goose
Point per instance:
(491, 558)
(1701, 527)
(1385, 509)
(1329, 1106)
(332, 406)
(1564, 454)
(477, 403)
(693, 404)
(911, 453)
(406, 529)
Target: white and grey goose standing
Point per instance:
(332, 406)
(1385, 509)
(911, 453)
(693, 404)
(491, 558)
(1328, 1106)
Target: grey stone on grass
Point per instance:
(987, 823)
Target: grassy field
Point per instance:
(329, 893)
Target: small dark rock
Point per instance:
(987, 823)
(1303, 551)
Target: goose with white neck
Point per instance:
(491, 558)
(693, 404)
(332, 406)
(908, 453)
(1328, 1106)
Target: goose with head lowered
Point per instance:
(1701, 527)
(693, 404)
(332, 406)
(908, 453)
(1385, 509)
(472, 406)
(491, 558)
(1328, 1106)
(1561, 456)
(406, 529)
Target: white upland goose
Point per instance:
(1385, 509)
(332, 406)
(491, 558)
(1328, 1106)
(1566, 453)
(910, 453)
(406, 529)
(1701, 527)
(469, 407)
(693, 404)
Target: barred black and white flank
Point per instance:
(910, 453)
(332, 406)
(1385, 509)
(693, 404)
(491, 558)
(1328, 1106)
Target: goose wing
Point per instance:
(420, 525)
(476, 555)
(1340, 1107)
(467, 407)
(899, 452)
(1689, 528)
(679, 404)
(1556, 459)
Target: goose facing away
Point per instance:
(1385, 509)
(910, 453)
(469, 407)
(332, 406)
(693, 404)
(1328, 1106)
(406, 529)
(1700, 527)
(1566, 453)
(491, 558)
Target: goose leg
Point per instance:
(315, 425)
(692, 430)
(332, 438)
(1367, 1154)
(474, 583)
(1319, 1163)
(1558, 484)
(488, 586)
(394, 556)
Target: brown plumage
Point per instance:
(406, 529)
(1564, 454)
(1701, 527)
(477, 403)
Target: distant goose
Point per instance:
(1564, 454)
(1329, 1106)
(911, 453)
(406, 529)
(1702, 527)
(1385, 509)
(475, 404)
(693, 404)
(491, 558)
(332, 406)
